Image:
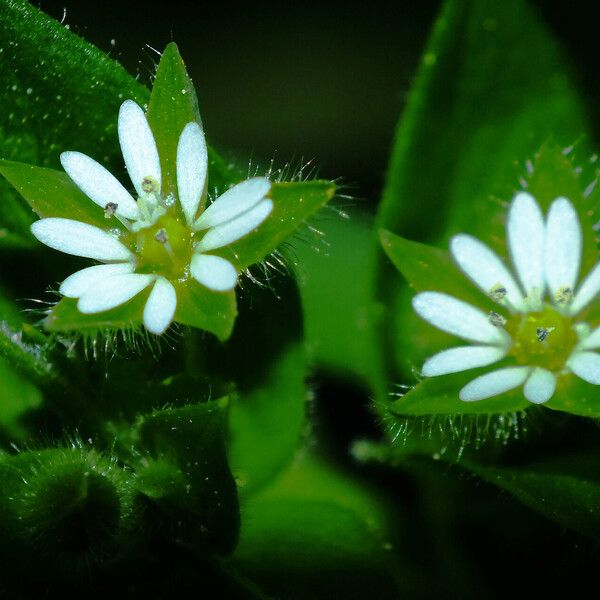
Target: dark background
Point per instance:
(290, 81)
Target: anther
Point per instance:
(496, 319)
(149, 185)
(564, 295)
(542, 333)
(161, 236)
(110, 209)
(498, 293)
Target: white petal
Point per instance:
(540, 386)
(588, 290)
(562, 254)
(77, 284)
(112, 292)
(80, 239)
(214, 272)
(461, 359)
(234, 202)
(233, 230)
(586, 365)
(592, 342)
(458, 318)
(138, 145)
(98, 184)
(494, 383)
(484, 267)
(192, 163)
(525, 230)
(160, 306)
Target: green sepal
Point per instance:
(439, 396)
(197, 306)
(293, 204)
(554, 175)
(51, 193)
(173, 104)
(187, 446)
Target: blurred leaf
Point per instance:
(316, 534)
(335, 278)
(17, 397)
(190, 479)
(266, 359)
(492, 87)
(560, 494)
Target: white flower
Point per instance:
(536, 326)
(162, 243)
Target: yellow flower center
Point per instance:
(545, 338)
(165, 248)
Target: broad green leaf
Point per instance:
(492, 87)
(51, 193)
(293, 204)
(316, 534)
(184, 474)
(58, 91)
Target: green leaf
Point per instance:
(293, 204)
(560, 494)
(51, 193)
(491, 88)
(335, 280)
(310, 527)
(17, 398)
(58, 91)
(186, 446)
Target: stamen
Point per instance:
(162, 238)
(498, 293)
(496, 319)
(149, 185)
(564, 295)
(110, 209)
(542, 333)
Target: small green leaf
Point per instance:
(51, 193)
(293, 204)
(192, 440)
